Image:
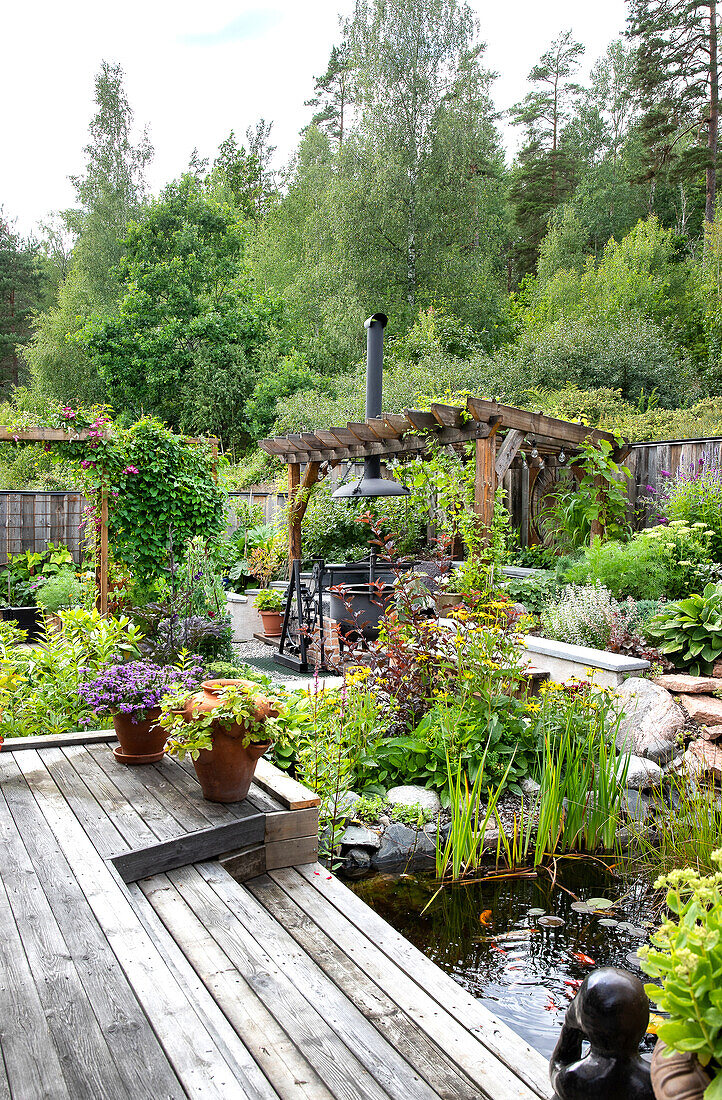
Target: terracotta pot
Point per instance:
(225, 772)
(140, 742)
(272, 622)
(677, 1076)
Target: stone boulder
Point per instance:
(358, 836)
(636, 805)
(643, 774)
(689, 685)
(704, 709)
(710, 733)
(650, 715)
(411, 795)
(404, 848)
(703, 759)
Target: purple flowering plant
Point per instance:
(136, 687)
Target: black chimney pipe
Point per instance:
(371, 484)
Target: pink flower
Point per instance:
(130, 470)
(86, 464)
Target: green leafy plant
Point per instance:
(238, 707)
(598, 498)
(669, 560)
(23, 574)
(269, 599)
(42, 681)
(686, 959)
(689, 631)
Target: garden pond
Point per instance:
(516, 942)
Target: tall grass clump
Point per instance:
(688, 828)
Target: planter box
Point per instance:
(27, 618)
(245, 620)
(566, 662)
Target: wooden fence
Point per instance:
(30, 520)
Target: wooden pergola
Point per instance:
(501, 434)
(84, 435)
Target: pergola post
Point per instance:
(485, 482)
(101, 535)
(299, 490)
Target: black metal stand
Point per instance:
(303, 617)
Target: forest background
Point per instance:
(584, 278)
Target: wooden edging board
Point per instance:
(282, 787)
(59, 741)
(204, 844)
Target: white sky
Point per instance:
(196, 70)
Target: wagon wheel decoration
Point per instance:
(542, 498)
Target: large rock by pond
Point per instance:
(703, 709)
(650, 715)
(358, 836)
(401, 846)
(680, 683)
(411, 795)
(702, 758)
(643, 774)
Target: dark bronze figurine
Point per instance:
(611, 1012)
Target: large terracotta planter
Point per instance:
(140, 742)
(272, 623)
(226, 771)
(677, 1076)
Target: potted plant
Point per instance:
(686, 959)
(269, 603)
(225, 728)
(131, 693)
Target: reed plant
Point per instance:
(688, 827)
(463, 851)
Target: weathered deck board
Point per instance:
(187, 1043)
(364, 941)
(505, 1044)
(147, 1074)
(190, 983)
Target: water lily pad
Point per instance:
(551, 922)
(535, 912)
(581, 907)
(608, 922)
(600, 903)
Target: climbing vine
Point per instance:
(160, 487)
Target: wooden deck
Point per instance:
(133, 965)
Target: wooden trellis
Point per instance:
(502, 434)
(63, 435)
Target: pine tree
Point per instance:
(332, 95)
(677, 77)
(544, 172)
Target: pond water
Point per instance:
(523, 966)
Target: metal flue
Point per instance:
(370, 483)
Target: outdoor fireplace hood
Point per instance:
(370, 483)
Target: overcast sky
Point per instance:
(196, 70)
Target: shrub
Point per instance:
(582, 616)
(62, 590)
(686, 956)
(42, 682)
(669, 561)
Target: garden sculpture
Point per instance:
(611, 1012)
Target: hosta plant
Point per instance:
(689, 631)
(686, 960)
